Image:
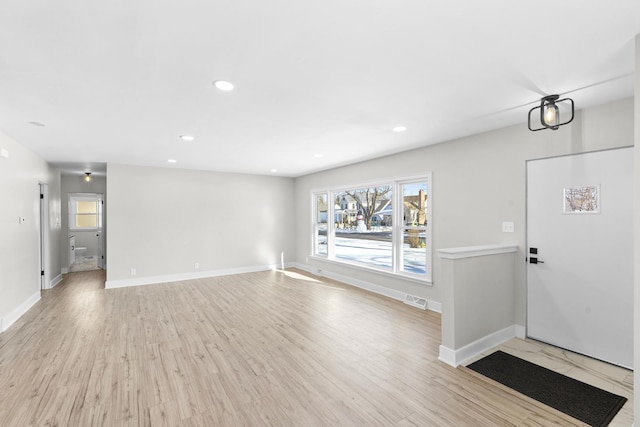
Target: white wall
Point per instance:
(163, 220)
(478, 182)
(77, 184)
(636, 238)
(20, 176)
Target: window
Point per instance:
(358, 238)
(85, 212)
(413, 256)
(384, 226)
(320, 224)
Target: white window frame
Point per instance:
(316, 222)
(84, 197)
(398, 227)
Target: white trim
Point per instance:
(372, 269)
(56, 280)
(64, 270)
(521, 331)
(447, 356)
(434, 306)
(372, 183)
(476, 251)
(11, 318)
(367, 286)
(380, 290)
(88, 197)
(151, 280)
(462, 355)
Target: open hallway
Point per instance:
(267, 348)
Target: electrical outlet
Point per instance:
(133, 271)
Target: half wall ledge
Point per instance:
(475, 251)
(477, 294)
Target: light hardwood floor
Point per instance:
(269, 348)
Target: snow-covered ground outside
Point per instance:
(377, 253)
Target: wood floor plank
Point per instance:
(270, 348)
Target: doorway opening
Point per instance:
(86, 243)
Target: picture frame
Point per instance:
(581, 200)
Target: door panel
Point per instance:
(580, 294)
(99, 234)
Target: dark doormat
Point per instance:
(585, 402)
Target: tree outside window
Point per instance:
(383, 226)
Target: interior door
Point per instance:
(99, 232)
(580, 253)
(45, 275)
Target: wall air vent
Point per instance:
(415, 301)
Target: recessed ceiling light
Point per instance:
(274, 170)
(187, 137)
(171, 160)
(223, 85)
(317, 156)
(399, 129)
(39, 124)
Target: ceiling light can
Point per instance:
(223, 85)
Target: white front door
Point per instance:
(580, 253)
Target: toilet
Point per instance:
(80, 250)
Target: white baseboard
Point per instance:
(521, 332)
(64, 270)
(55, 281)
(447, 356)
(150, 280)
(10, 319)
(371, 287)
(434, 306)
(469, 351)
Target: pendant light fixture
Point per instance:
(87, 176)
(549, 113)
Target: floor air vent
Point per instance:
(416, 301)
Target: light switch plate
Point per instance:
(4, 153)
(507, 227)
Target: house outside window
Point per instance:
(383, 226)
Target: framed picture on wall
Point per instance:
(581, 200)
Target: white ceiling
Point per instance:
(120, 80)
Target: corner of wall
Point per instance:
(469, 351)
(56, 280)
